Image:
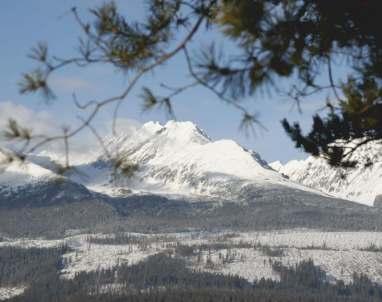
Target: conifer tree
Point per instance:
(299, 40)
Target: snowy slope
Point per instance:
(361, 184)
(19, 174)
(340, 254)
(179, 158)
(33, 182)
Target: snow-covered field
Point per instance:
(252, 264)
(340, 254)
(90, 257)
(10, 292)
(248, 263)
(309, 238)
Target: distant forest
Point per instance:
(166, 277)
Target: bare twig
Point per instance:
(66, 147)
(99, 138)
(160, 61)
(119, 98)
(331, 80)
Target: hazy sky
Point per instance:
(25, 22)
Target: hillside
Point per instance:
(185, 181)
(361, 184)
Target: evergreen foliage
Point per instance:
(298, 40)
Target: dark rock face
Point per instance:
(378, 201)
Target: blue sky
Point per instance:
(25, 22)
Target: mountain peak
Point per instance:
(181, 131)
(176, 158)
(152, 127)
(17, 173)
(179, 158)
(361, 183)
(276, 165)
(186, 132)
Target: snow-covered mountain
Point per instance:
(178, 158)
(184, 180)
(362, 184)
(33, 182)
(16, 174)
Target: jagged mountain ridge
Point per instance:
(185, 181)
(178, 158)
(361, 184)
(32, 184)
(15, 175)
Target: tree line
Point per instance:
(165, 277)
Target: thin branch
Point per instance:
(353, 149)
(211, 88)
(122, 96)
(99, 139)
(220, 95)
(66, 144)
(178, 90)
(83, 106)
(332, 85)
(160, 61)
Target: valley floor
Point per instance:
(249, 255)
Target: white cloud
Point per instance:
(40, 122)
(82, 147)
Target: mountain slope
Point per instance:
(185, 181)
(28, 183)
(180, 159)
(16, 176)
(361, 184)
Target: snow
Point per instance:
(247, 263)
(91, 257)
(174, 159)
(340, 265)
(340, 254)
(361, 184)
(276, 165)
(309, 238)
(10, 292)
(152, 127)
(18, 174)
(178, 158)
(252, 264)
